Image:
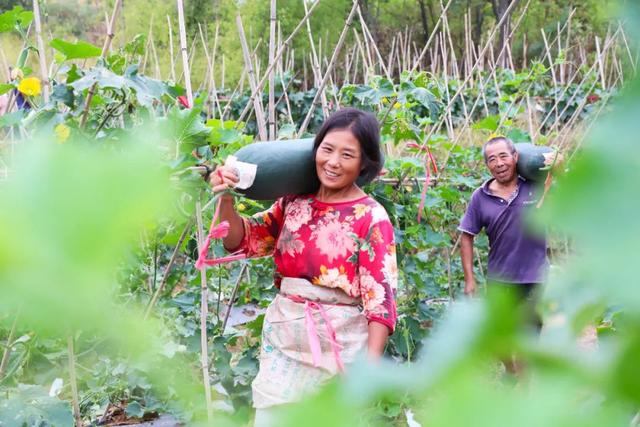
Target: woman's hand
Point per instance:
(223, 178)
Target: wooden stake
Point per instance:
(185, 56)
(204, 311)
(105, 49)
(272, 51)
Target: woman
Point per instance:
(335, 265)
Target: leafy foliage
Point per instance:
(95, 216)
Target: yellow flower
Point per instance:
(30, 86)
(241, 207)
(397, 105)
(62, 132)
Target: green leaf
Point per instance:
(518, 135)
(31, 405)
(186, 127)
(64, 94)
(488, 123)
(79, 50)
(5, 87)
(15, 17)
(424, 97)
(11, 119)
(134, 409)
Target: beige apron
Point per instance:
(297, 353)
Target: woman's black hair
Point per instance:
(365, 128)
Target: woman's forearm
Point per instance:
(378, 335)
(236, 227)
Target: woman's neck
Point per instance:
(346, 194)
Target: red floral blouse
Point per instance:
(346, 245)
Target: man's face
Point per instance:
(501, 162)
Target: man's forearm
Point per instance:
(466, 253)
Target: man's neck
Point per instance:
(504, 189)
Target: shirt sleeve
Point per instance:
(378, 274)
(471, 222)
(261, 231)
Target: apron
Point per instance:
(309, 333)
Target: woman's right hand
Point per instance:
(223, 178)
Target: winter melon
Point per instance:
(531, 160)
(284, 167)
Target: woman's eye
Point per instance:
(347, 156)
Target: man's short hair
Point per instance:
(495, 140)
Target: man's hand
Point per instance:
(470, 288)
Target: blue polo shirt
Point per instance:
(516, 255)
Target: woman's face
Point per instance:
(338, 159)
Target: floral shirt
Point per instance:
(346, 245)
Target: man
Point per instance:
(517, 257)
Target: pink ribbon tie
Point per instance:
(312, 331)
(216, 231)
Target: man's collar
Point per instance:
(485, 185)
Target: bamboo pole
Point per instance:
(171, 55)
(367, 33)
(600, 61)
(431, 37)
(576, 91)
(214, 86)
(366, 67)
(105, 49)
(271, 120)
(315, 63)
(41, 52)
(327, 74)
(276, 59)
(205, 48)
(626, 45)
(204, 311)
(248, 64)
(74, 382)
(481, 54)
(551, 64)
(183, 49)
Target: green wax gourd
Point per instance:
(531, 160)
(284, 167)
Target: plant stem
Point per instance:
(7, 350)
(167, 269)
